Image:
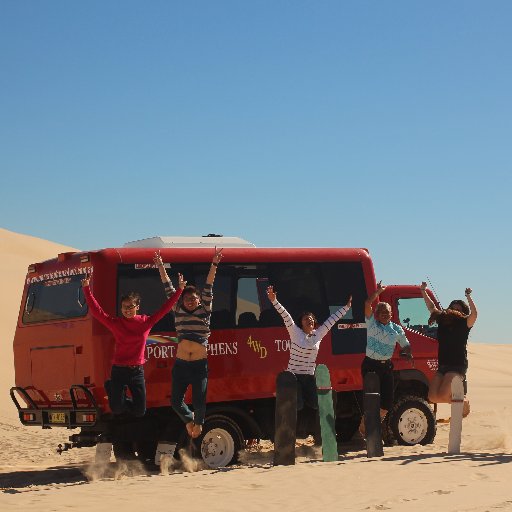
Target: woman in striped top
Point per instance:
(192, 321)
(305, 339)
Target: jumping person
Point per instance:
(130, 332)
(382, 335)
(454, 324)
(192, 321)
(305, 339)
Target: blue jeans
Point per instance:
(131, 377)
(194, 373)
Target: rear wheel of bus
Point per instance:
(220, 441)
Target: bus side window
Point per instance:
(414, 315)
(247, 303)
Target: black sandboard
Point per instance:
(285, 419)
(372, 423)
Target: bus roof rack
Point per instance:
(210, 240)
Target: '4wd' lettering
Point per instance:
(257, 347)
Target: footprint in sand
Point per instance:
(479, 476)
(440, 491)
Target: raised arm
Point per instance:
(368, 310)
(213, 268)
(288, 320)
(168, 286)
(94, 308)
(471, 319)
(426, 297)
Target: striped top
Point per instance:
(304, 347)
(382, 338)
(193, 325)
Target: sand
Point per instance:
(33, 476)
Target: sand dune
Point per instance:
(33, 476)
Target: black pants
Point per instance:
(384, 370)
(306, 391)
(131, 377)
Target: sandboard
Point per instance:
(285, 419)
(454, 438)
(371, 383)
(326, 413)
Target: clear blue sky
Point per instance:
(384, 125)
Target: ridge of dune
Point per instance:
(17, 252)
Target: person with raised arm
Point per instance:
(454, 324)
(382, 335)
(192, 315)
(305, 338)
(130, 332)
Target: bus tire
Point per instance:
(220, 441)
(411, 421)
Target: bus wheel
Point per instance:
(220, 441)
(411, 421)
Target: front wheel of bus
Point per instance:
(220, 441)
(411, 421)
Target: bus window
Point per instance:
(54, 299)
(342, 280)
(299, 288)
(247, 303)
(414, 315)
(146, 282)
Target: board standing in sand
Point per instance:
(130, 332)
(382, 335)
(192, 321)
(454, 324)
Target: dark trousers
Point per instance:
(306, 391)
(185, 374)
(131, 377)
(384, 370)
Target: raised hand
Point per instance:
(380, 288)
(468, 292)
(181, 282)
(271, 294)
(157, 258)
(86, 280)
(423, 286)
(217, 256)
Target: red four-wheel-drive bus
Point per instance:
(62, 355)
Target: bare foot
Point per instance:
(190, 428)
(196, 431)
